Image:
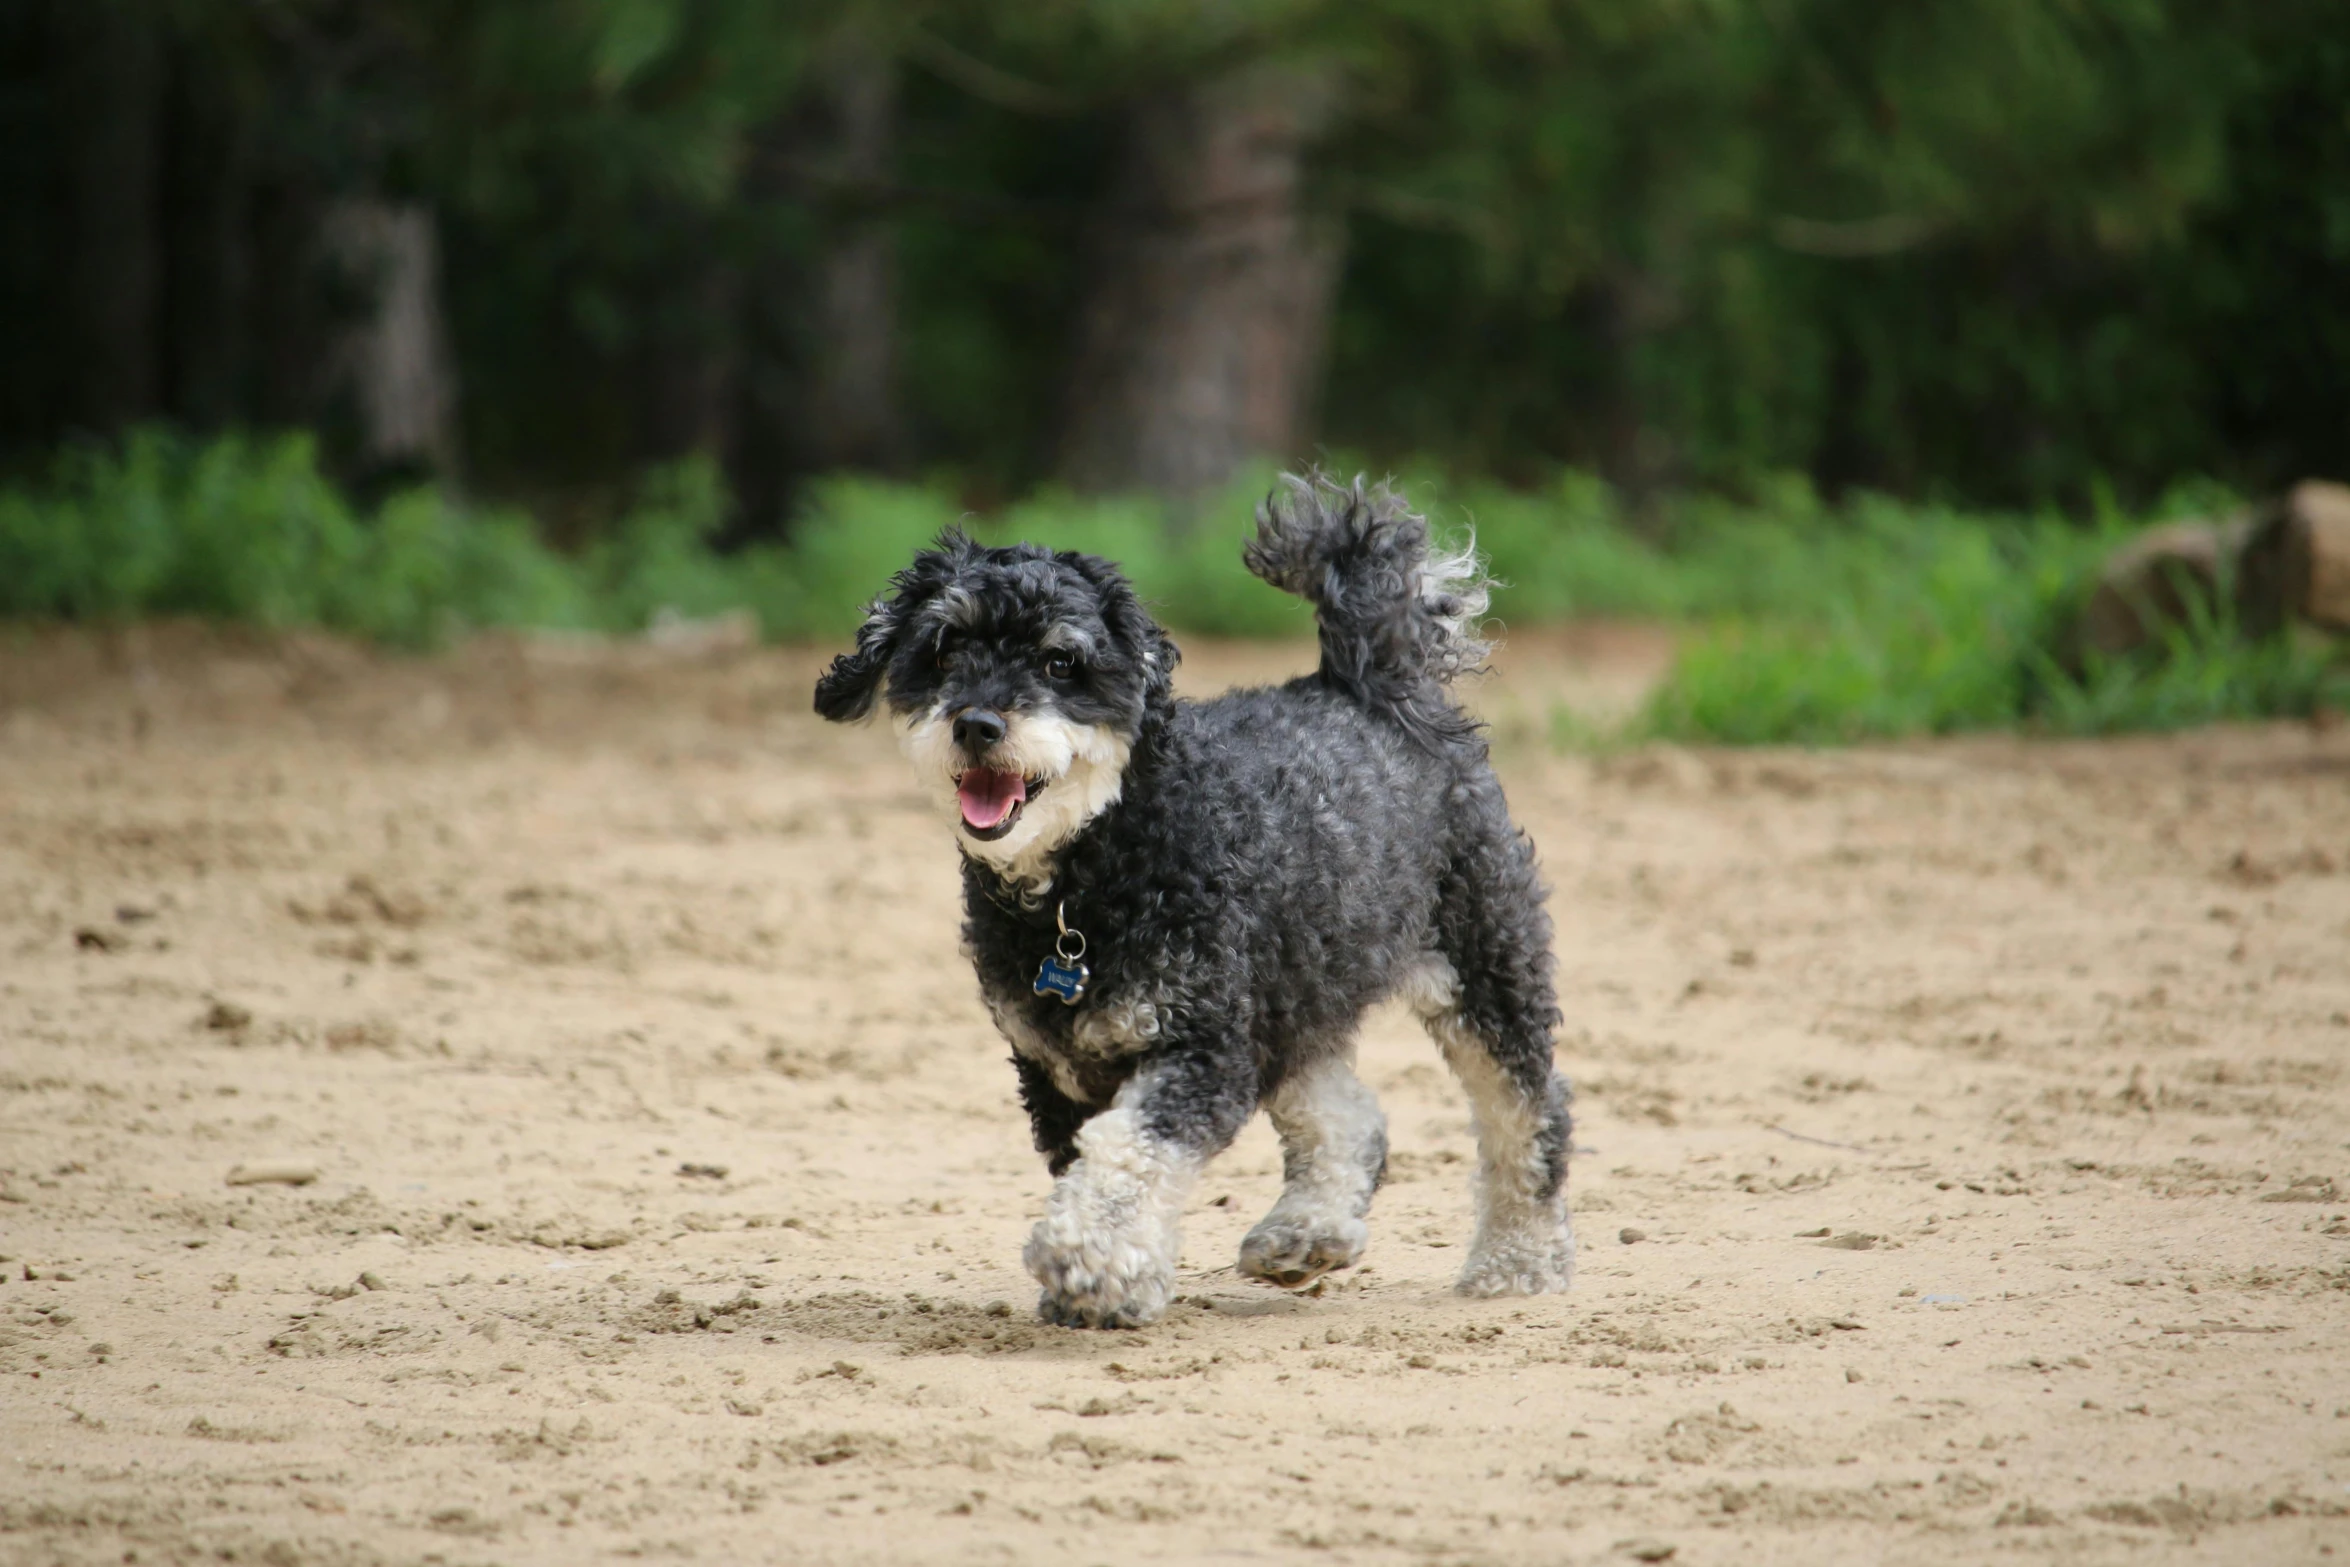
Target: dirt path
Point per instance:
(1964, 1165)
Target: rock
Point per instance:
(2170, 576)
(2271, 563)
(273, 1172)
(1630, 1236)
(2317, 552)
(2138, 591)
(227, 1016)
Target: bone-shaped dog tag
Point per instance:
(1066, 980)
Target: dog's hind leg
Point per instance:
(1333, 1157)
(1486, 996)
(1525, 1243)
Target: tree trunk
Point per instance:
(831, 314)
(285, 325)
(1637, 453)
(389, 358)
(688, 355)
(1206, 315)
(206, 293)
(820, 388)
(853, 405)
(110, 93)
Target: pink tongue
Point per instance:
(988, 796)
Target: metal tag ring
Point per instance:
(1061, 943)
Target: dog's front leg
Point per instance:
(1106, 1248)
(1053, 1117)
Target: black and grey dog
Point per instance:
(1180, 911)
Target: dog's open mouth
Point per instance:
(991, 800)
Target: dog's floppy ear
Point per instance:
(847, 690)
(1143, 638)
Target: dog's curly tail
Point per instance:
(1399, 618)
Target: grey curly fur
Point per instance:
(1273, 862)
(1395, 616)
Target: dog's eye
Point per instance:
(1061, 666)
(945, 657)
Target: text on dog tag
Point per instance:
(1064, 979)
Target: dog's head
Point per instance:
(1021, 679)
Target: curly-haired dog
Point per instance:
(1179, 911)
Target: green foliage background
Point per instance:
(1805, 622)
(1846, 332)
(1986, 251)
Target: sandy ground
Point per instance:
(1963, 1168)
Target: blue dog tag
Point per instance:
(1064, 974)
(1066, 980)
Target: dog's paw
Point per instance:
(1528, 1265)
(1096, 1281)
(1293, 1250)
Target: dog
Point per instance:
(1180, 911)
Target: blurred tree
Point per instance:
(387, 360)
(1209, 292)
(110, 88)
(851, 316)
(608, 231)
(1999, 249)
(1903, 246)
(1203, 270)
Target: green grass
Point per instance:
(1806, 623)
(250, 531)
(1889, 621)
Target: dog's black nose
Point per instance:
(977, 728)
